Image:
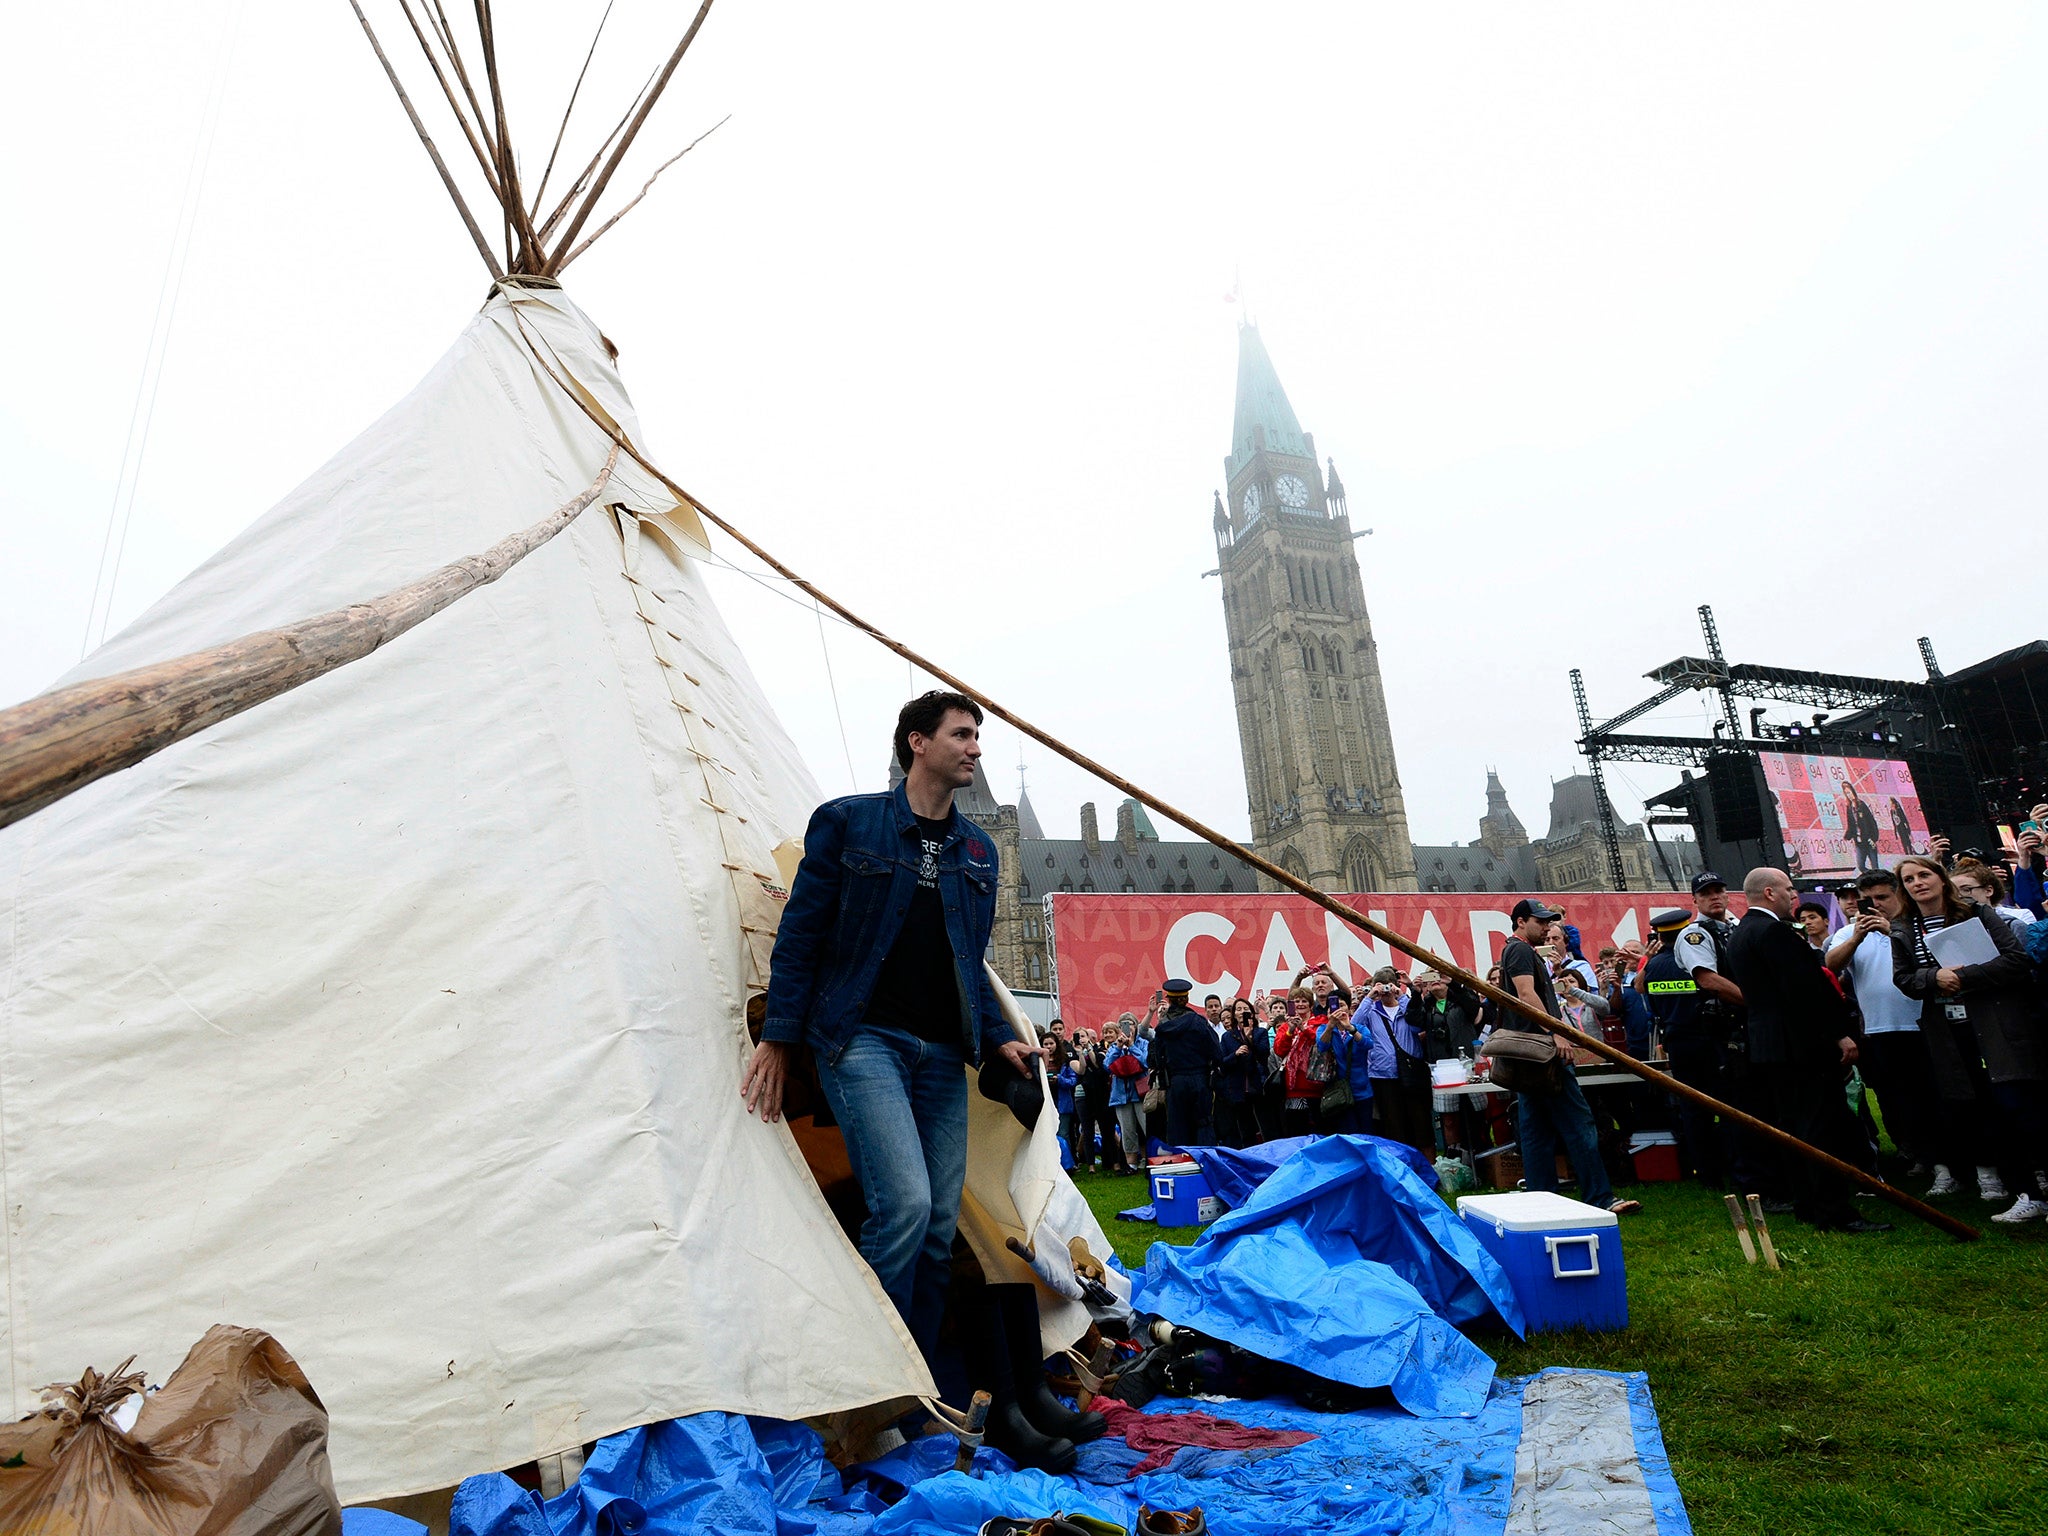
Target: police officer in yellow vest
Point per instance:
(1694, 1052)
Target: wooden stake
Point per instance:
(1763, 1230)
(1734, 1204)
(64, 740)
(970, 1439)
(1509, 1001)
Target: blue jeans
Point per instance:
(1547, 1119)
(902, 1106)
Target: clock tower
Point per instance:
(1324, 794)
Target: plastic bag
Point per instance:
(234, 1445)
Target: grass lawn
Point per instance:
(1891, 1383)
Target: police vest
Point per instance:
(1673, 995)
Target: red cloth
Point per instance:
(1161, 1434)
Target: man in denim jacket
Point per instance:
(878, 967)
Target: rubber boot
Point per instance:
(1018, 1305)
(986, 1353)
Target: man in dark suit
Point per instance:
(1799, 1040)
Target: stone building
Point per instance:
(1033, 865)
(1570, 856)
(1321, 784)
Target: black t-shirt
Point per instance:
(1519, 959)
(918, 989)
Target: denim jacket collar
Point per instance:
(906, 818)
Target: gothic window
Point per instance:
(1031, 967)
(1360, 871)
(1337, 662)
(1290, 584)
(1293, 863)
(1308, 657)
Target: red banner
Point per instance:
(1111, 951)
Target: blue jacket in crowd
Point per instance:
(1063, 1086)
(852, 892)
(1124, 1090)
(1354, 1057)
(1385, 1028)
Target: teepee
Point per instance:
(403, 1014)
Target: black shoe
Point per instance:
(1856, 1226)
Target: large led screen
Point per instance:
(1844, 815)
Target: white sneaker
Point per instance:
(2026, 1208)
(1944, 1181)
(1990, 1186)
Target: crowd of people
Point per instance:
(1920, 988)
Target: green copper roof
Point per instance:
(1261, 402)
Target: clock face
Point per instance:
(1251, 502)
(1292, 491)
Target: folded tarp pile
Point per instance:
(1564, 1450)
(1346, 1264)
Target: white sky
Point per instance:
(1603, 311)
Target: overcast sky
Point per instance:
(1603, 311)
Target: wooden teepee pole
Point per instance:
(589, 204)
(64, 740)
(483, 246)
(1507, 1000)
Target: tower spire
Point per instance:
(1264, 417)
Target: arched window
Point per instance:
(1293, 863)
(1361, 869)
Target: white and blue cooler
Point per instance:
(1562, 1257)
(1181, 1196)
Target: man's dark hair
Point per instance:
(924, 714)
(1878, 880)
(1213, 997)
(1810, 906)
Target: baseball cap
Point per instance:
(1526, 909)
(1705, 878)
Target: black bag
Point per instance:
(1338, 1095)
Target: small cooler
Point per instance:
(1562, 1257)
(1181, 1196)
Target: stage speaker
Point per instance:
(1740, 814)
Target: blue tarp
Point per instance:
(1234, 1172)
(1345, 1264)
(1375, 1472)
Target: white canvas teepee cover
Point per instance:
(402, 1016)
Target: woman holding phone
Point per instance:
(1983, 1028)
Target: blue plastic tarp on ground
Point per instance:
(1345, 1264)
(1374, 1472)
(1234, 1172)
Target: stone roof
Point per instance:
(1068, 864)
(1573, 805)
(1474, 869)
